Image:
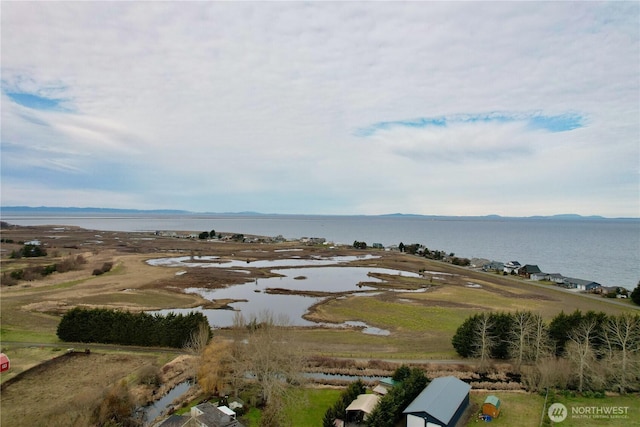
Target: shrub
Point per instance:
(106, 267)
(17, 274)
(149, 375)
(8, 279)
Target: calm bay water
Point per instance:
(603, 250)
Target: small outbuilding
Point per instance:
(491, 406)
(5, 364)
(360, 409)
(441, 404)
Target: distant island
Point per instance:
(93, 210)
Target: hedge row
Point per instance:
(126, 328)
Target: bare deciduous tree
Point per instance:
(271, 356)
(485, 341)
(547, 372)
(541, 343)
(581, 353)
(521, 337)
(622, 337)
(198, 339)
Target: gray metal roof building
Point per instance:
(441, 403)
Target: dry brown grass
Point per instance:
(64, 391)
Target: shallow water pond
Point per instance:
(254, 300)
(217, 262)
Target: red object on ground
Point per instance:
(4, 362)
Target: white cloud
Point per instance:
(256, 106)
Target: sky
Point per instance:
(339, 108)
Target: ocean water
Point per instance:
(603, 250)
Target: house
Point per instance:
(581, 285)
(511, 267)
(493, 266)
(204, 415)
(528, 269)
(441, 404)
(538, 276)
(555, 277)
(360, 409)
(491, 406)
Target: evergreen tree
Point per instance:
(339, 409)
(388, 412)
(464, 337)
(635, 294)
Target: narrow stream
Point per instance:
(157, 408)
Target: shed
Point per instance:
(5, 364)
(441, 404)
(380, 389)
(491, 406)
(360, 409)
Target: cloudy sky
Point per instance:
(443, 108)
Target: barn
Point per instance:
(491, 406)
(4, 362)
(441, 404)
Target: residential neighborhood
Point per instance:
(533, 272)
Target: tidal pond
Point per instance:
(277, 295)
(217, 262)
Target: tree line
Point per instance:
(126, 328)
(585, 351)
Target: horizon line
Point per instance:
(248, 213)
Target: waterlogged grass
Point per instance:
(354, 343)
(395, 315)
(485, 298)
(138, 298)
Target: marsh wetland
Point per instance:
(341, 303)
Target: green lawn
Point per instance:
(525, 410)
(586, 412)
(517, 409)
(316, 401)
(308, 409)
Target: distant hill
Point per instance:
(71, 210)
(56, 209)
